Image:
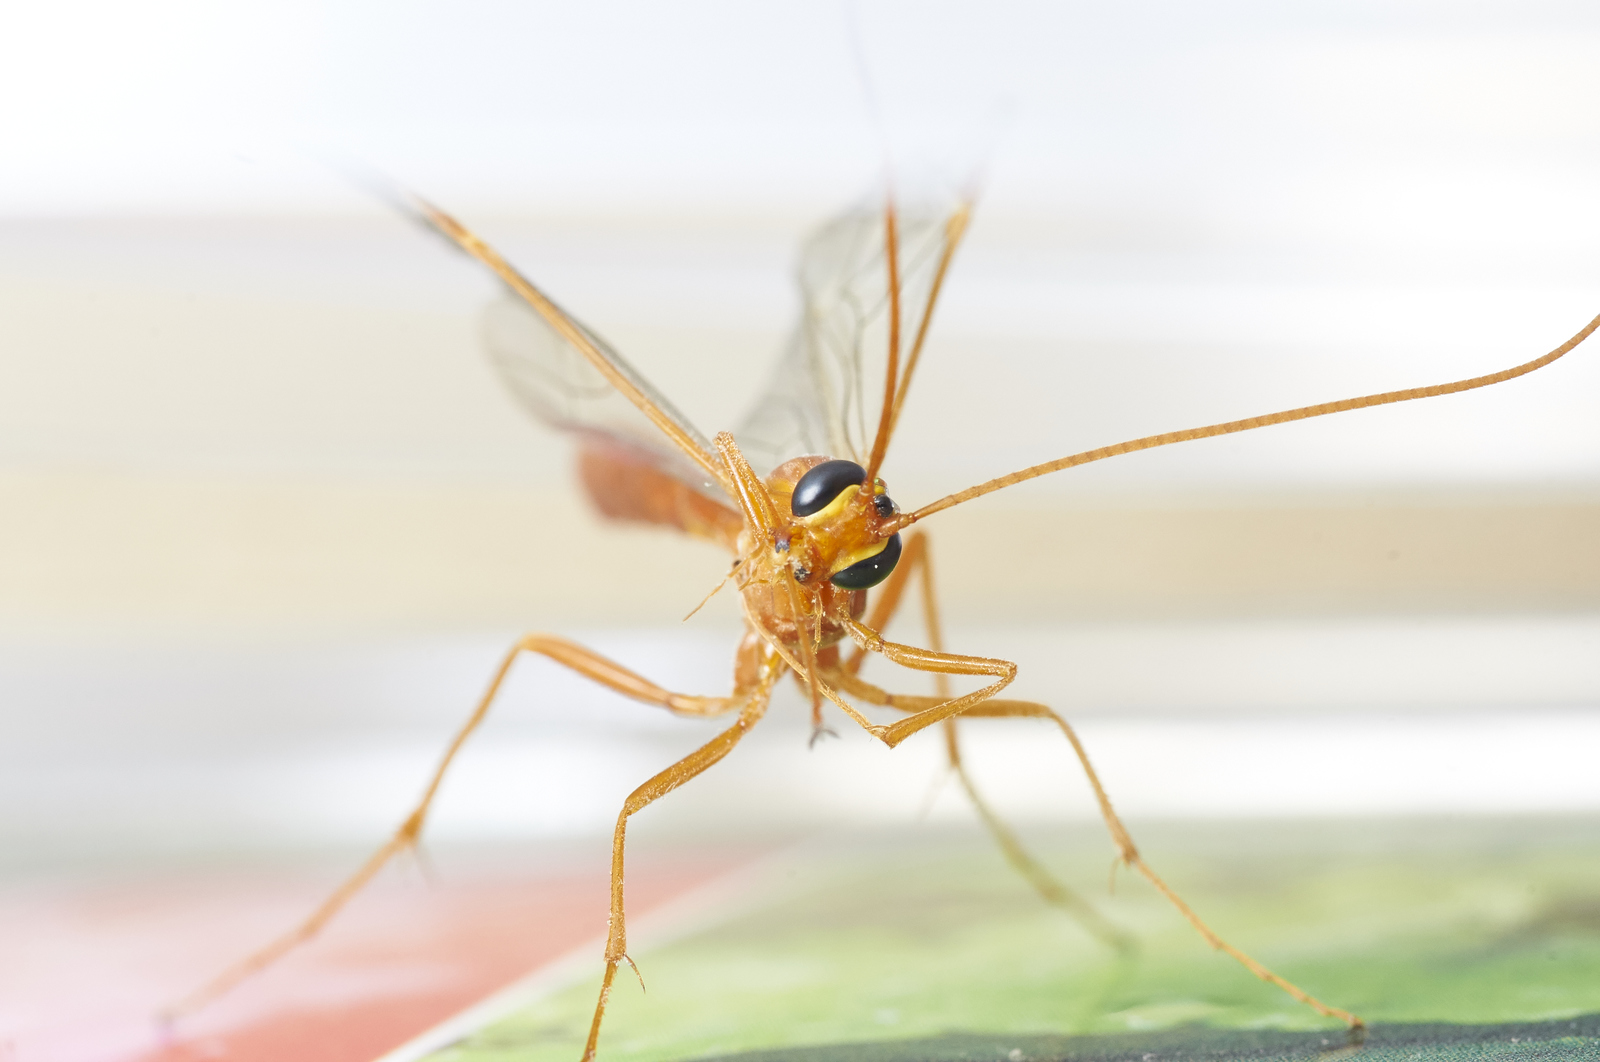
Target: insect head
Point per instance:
(824, 490)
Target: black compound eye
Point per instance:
(872, 571)
(820, 486)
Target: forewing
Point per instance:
(560, 386)
(825, 394)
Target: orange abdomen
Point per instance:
(624, 485)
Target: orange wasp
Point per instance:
(796, 498)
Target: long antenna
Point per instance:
(1149, 442)
(891, 374)
(954, 228)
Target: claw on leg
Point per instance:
(818, 733)
(629, 960)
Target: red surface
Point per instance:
(86, 968)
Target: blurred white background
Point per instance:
(269, 517)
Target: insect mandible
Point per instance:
(795, 495)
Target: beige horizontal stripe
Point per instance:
(150, 554)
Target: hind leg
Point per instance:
(1022, 861)
(1127, 853)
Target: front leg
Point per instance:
(936, 663)
(585, 662)
(691, 765)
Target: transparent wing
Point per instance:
(826, 392)
(560, 386)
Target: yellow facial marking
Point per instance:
(856, 556)
(832, 509)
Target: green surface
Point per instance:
(929, 946)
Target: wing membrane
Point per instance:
(559, 384)
(824, 395)
(826, 392)
(572, 378)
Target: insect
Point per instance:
(796, 497)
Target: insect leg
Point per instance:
(1126, 851)
(930, 710)
(1022, 861)
(938, 707)
(917, 559)
(1130, 855)
(914, 559)
(755, 705)
(569, 654)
